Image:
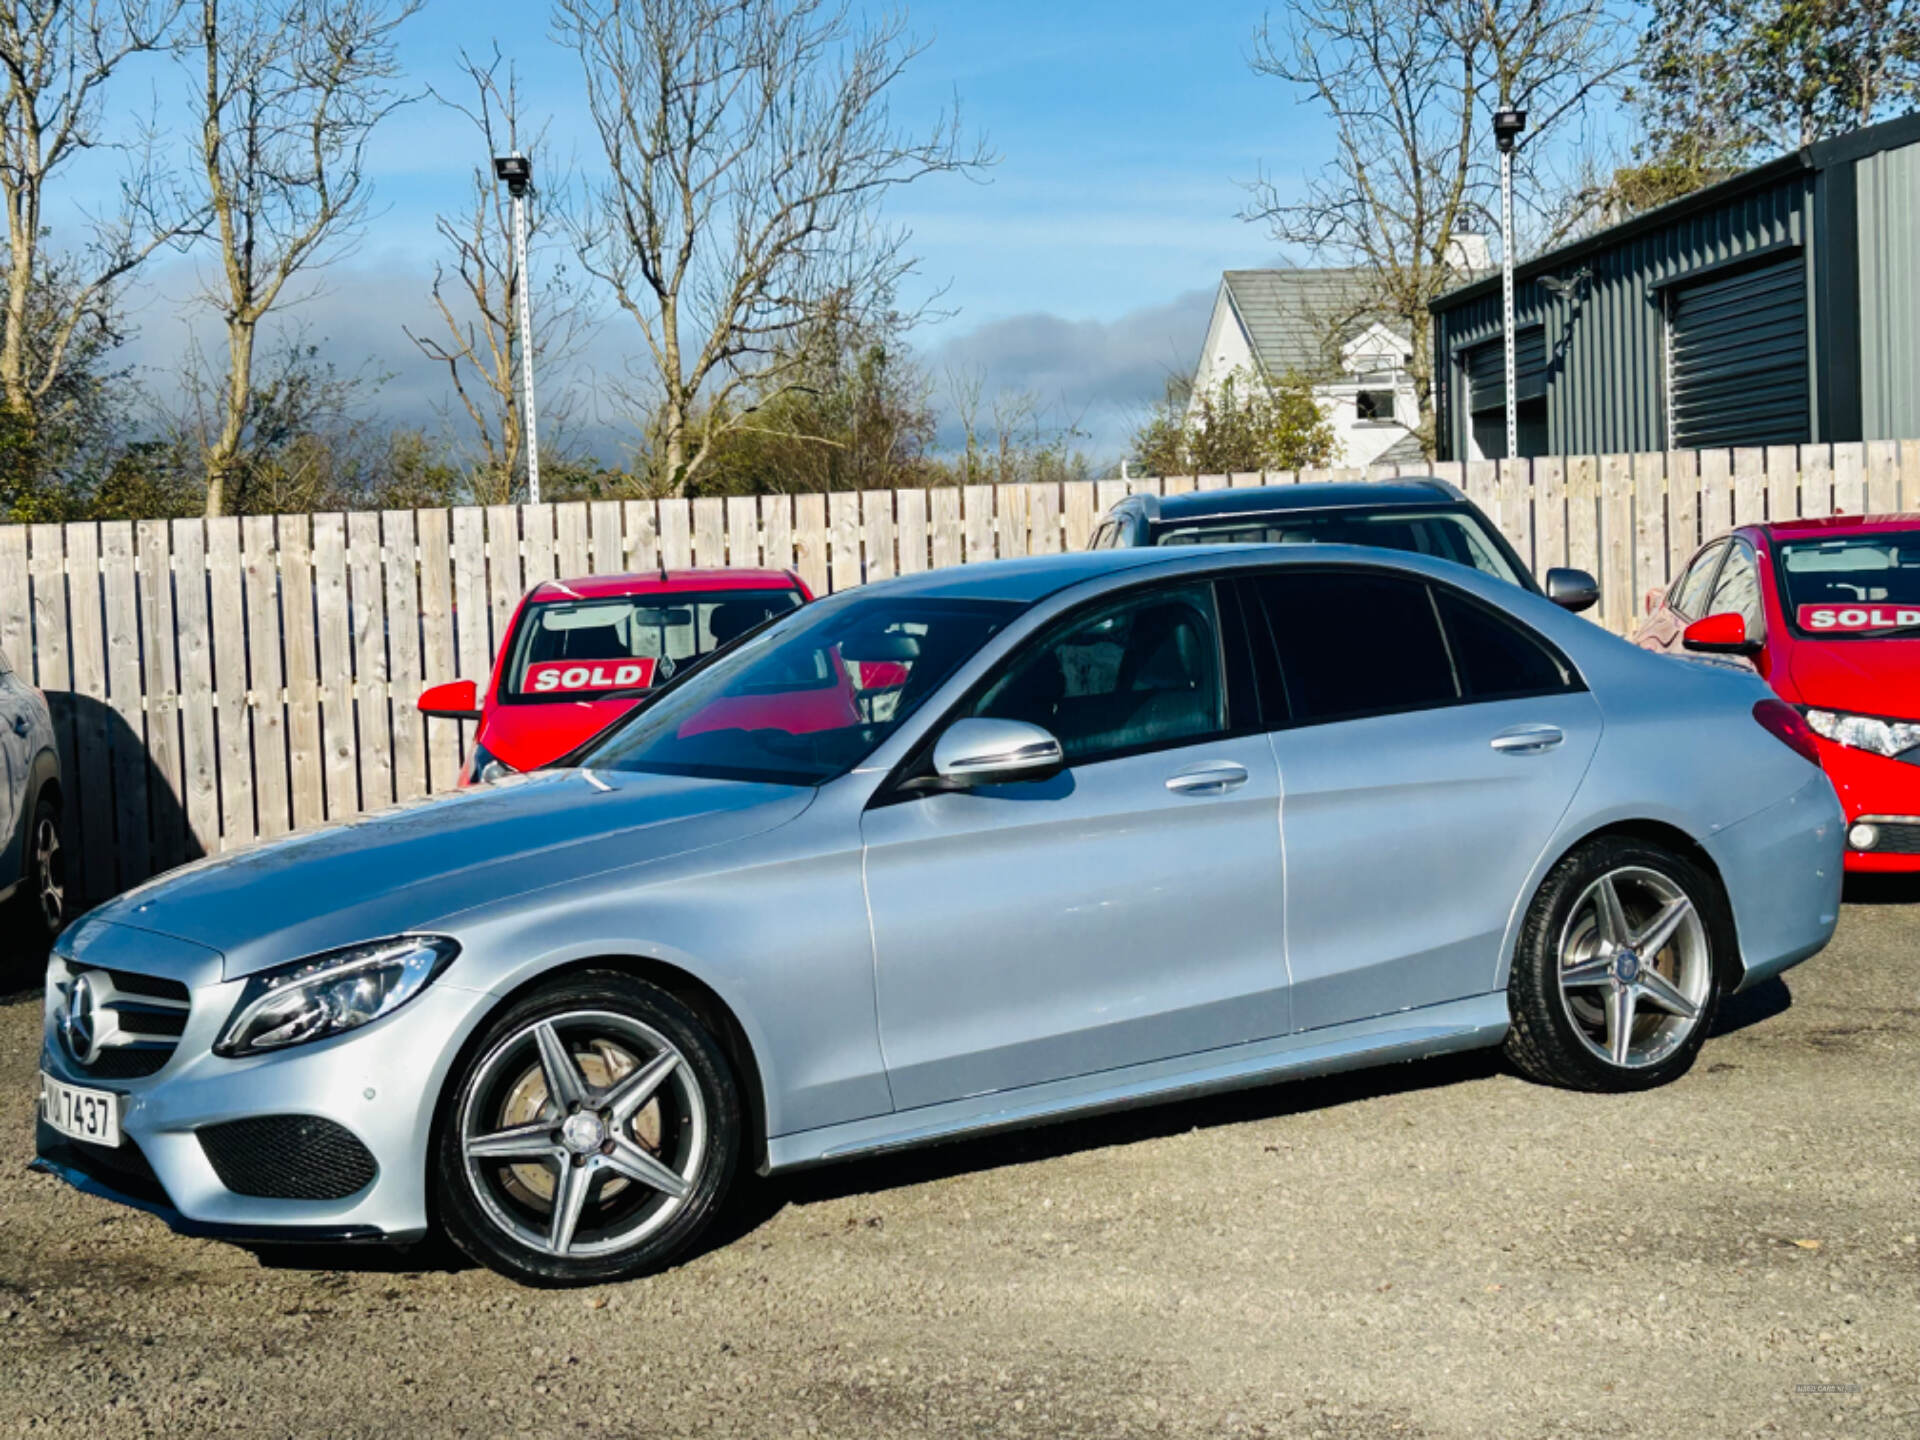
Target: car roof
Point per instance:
(1835, 525)
(1027, 579)
(1314, 495)
(661, 582)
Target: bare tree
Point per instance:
(749, 146)
(478, 300)
(293, 90)
(1410, 86)
(59, 57)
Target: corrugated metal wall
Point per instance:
(1889, 190)
(1605, 343)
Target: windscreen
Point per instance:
(1455, 535)
(585, 649)
(808, 698)
(1853, 586)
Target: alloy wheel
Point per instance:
(583, 1133)
(49, 868)
(1635, 967)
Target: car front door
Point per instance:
(1126, 910)
(14, 764)
(1431, 747)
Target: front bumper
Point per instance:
(1783, 871)
(1870, 784)
(380, 1083)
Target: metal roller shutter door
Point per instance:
(1737, 368)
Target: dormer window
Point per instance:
(1374, 404)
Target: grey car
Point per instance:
(1421, 514)
(977, 848)
(33, 885)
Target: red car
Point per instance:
(580, 653)
(1828, 611)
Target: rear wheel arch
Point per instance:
(1670, 837)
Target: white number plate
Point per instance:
(90, 1115)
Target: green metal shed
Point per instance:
(1779, 307)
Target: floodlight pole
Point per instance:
(1507, 125)
(517, 171)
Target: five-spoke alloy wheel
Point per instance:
(591, 1135)
(1614, 981)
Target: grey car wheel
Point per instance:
(1615, 978)
(40, 904)
(591, 1136)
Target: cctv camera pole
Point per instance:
(1507, 125)
(517, 171)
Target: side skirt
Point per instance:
(1475, 1023)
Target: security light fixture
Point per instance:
(1507, 125)
(1565, 286)
(515, 171)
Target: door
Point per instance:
(1737, 364)
(1127, 910)
(1432, 746)
(15, 725)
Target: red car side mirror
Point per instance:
(455, 700)
(1723, 634)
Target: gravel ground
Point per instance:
(1431, 1250)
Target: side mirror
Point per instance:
(1573, 590)
(993, 752)
(1723, 634)
(455, 700)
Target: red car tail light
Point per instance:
(1789, 727)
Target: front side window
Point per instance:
(1691, 593)
(586, 649)
(1135, 675)
(1354, 643)
(1854, 585)
(808, 698)
(1738, 590)
(1456, 535)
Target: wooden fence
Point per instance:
(214, 682)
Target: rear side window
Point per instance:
(1354, 644)
(1495, 658)
(1445, 534)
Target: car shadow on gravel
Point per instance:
(1882, 890)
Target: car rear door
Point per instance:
(1127, 910)
(1431, 747)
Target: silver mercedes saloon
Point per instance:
(976, 848)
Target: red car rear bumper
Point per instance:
(1873, 785)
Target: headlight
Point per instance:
(333, 993)
(484, 765)
(1865, 732)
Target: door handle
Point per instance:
(1209, 777)
(1528, 739)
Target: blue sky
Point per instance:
(1083, 266)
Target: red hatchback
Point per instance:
(1828, 611)
(580, 653)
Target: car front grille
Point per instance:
(136, 1021)
(288, 1157)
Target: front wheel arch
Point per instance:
(688, 989)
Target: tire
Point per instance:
(1652, 956)
(40, 905)
(653, 1107)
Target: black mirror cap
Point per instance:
(1573, 590)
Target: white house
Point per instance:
(1314, 323)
